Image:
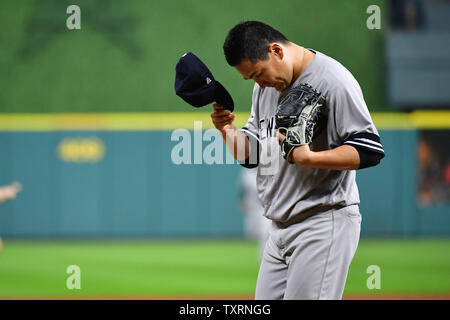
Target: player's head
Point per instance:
(250, 40)
(258, 52)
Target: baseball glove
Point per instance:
(300, 116)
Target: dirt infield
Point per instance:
(405, 296)
(399, 296)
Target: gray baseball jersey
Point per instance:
(316, 220)
(293, 191)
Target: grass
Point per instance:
(189, 268)
(407, 266)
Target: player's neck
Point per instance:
(304, 59)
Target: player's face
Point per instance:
(266, 73)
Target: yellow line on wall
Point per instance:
(107, 121)
(176, 120)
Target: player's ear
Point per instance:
(276, 50)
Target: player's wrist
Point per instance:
(302, 155)
(228, 131)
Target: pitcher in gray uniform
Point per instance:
(312, 202)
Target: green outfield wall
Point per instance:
(113, 175)
(123, 57)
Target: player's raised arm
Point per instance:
(236, 142)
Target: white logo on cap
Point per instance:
(208, 80)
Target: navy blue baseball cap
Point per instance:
(195, 84)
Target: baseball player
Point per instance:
(312, 197)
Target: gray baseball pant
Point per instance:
(309, 260)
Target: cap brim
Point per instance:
(222, 97)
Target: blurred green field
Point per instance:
(202, 268)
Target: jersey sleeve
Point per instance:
(252, 126)
(251, 130)
(354, 125)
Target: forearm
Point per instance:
(237, 142)
(344, 157)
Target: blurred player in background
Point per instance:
(256, 225)
(9, 192)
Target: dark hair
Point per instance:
(250, 40)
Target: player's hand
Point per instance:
(221, 118)
(281, 137)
